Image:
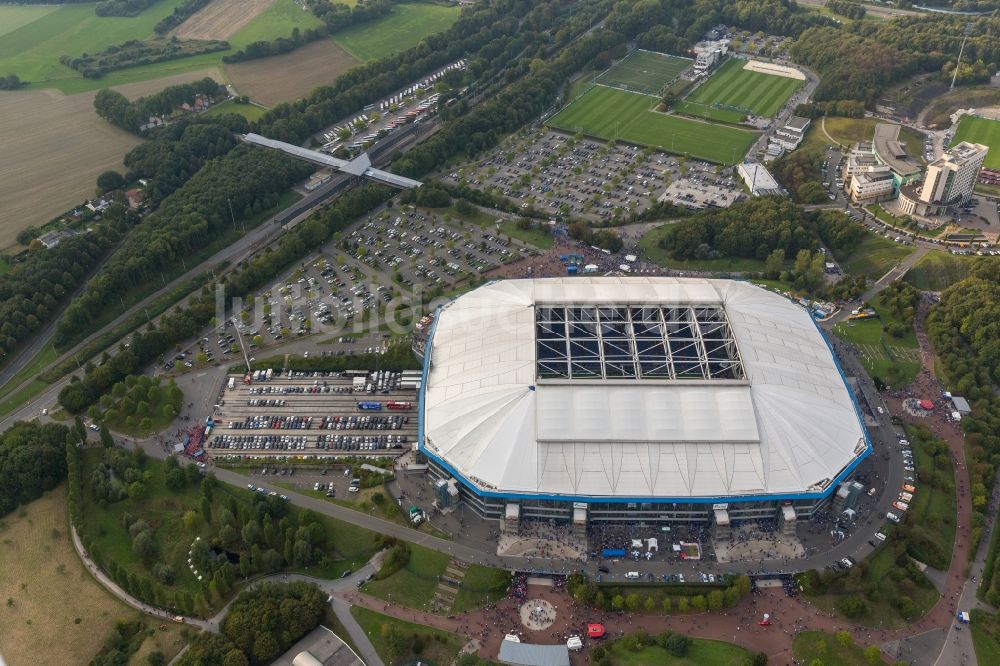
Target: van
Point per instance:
(632, 575)
(574, 643)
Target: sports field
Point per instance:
(607, 113)
(405, 27)
(981, 130)
(644, 72)
(735, 89)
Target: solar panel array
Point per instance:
(656, 342)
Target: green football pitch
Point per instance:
(733, 87)
(607, 113)
(981, 130)
(644, 71)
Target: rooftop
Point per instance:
(798, 123)
(892, 152)
(635, 387)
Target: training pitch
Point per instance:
(607, 113)
(981, 130)
(733, 88)
(644, 71)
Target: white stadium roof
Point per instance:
(636, 387)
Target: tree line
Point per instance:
(131, 115)
(32, 461)
(335, 17)
(122, 7)
(135, 52)
(852, 10)
(235, 186)
(10, 82)
(179, 15)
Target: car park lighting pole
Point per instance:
(242, 346)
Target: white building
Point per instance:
(758, 179)
(948, 182)
(624, 398)
(872, 184)
(790, 135)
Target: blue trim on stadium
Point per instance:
(639, 500)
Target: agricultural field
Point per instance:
(32, 40)
(220, 19)
(644, 71)
(981, 130)
(608, 113)
(60, 614)
(54, 148)
(407, 25)
(741, 91)
(289, 76)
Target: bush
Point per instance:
(678, 645)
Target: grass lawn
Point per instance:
(981, 130)
(755, 92)
(987, 647)
(580, 86)
(251, 112)
(819, 645)
(938, 270)
(536, 237)
(895, 360)
(22, 397)
(4, 266)
(440, 647)
(605, 113)
(650, 250)
(481, 586)
(645, 71)
(875, 256)
(405, 27)
(33, 38)
(60, 614)
(851, 130)
(40, 361)
(933, 507)
(709, 113)
(702, 652)
(414, 585)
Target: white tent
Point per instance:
(652, 544)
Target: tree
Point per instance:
(873, 655)
(144, 545)
(109, 180)
(678, 645)
(190, 518)
(649, 605)
(844, 638)
(395, 641)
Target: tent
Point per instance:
(636, 543)
(927, 405)
(652, 544)
(963, 617)
(527, 654)
(595, 630)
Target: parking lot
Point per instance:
(563, 175)
(315, 414)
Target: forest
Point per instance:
(131, 115)
(241, 183)
(135, 52)
(758, 227)
(32, 461)
(965, 331)
(34, 289)
(261, 624)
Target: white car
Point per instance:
(892, 517)
(847, 563)
(880, 536)
(880, 410)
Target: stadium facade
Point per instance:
(635, 399)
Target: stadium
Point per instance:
(623, 399)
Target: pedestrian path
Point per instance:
(447, 589)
